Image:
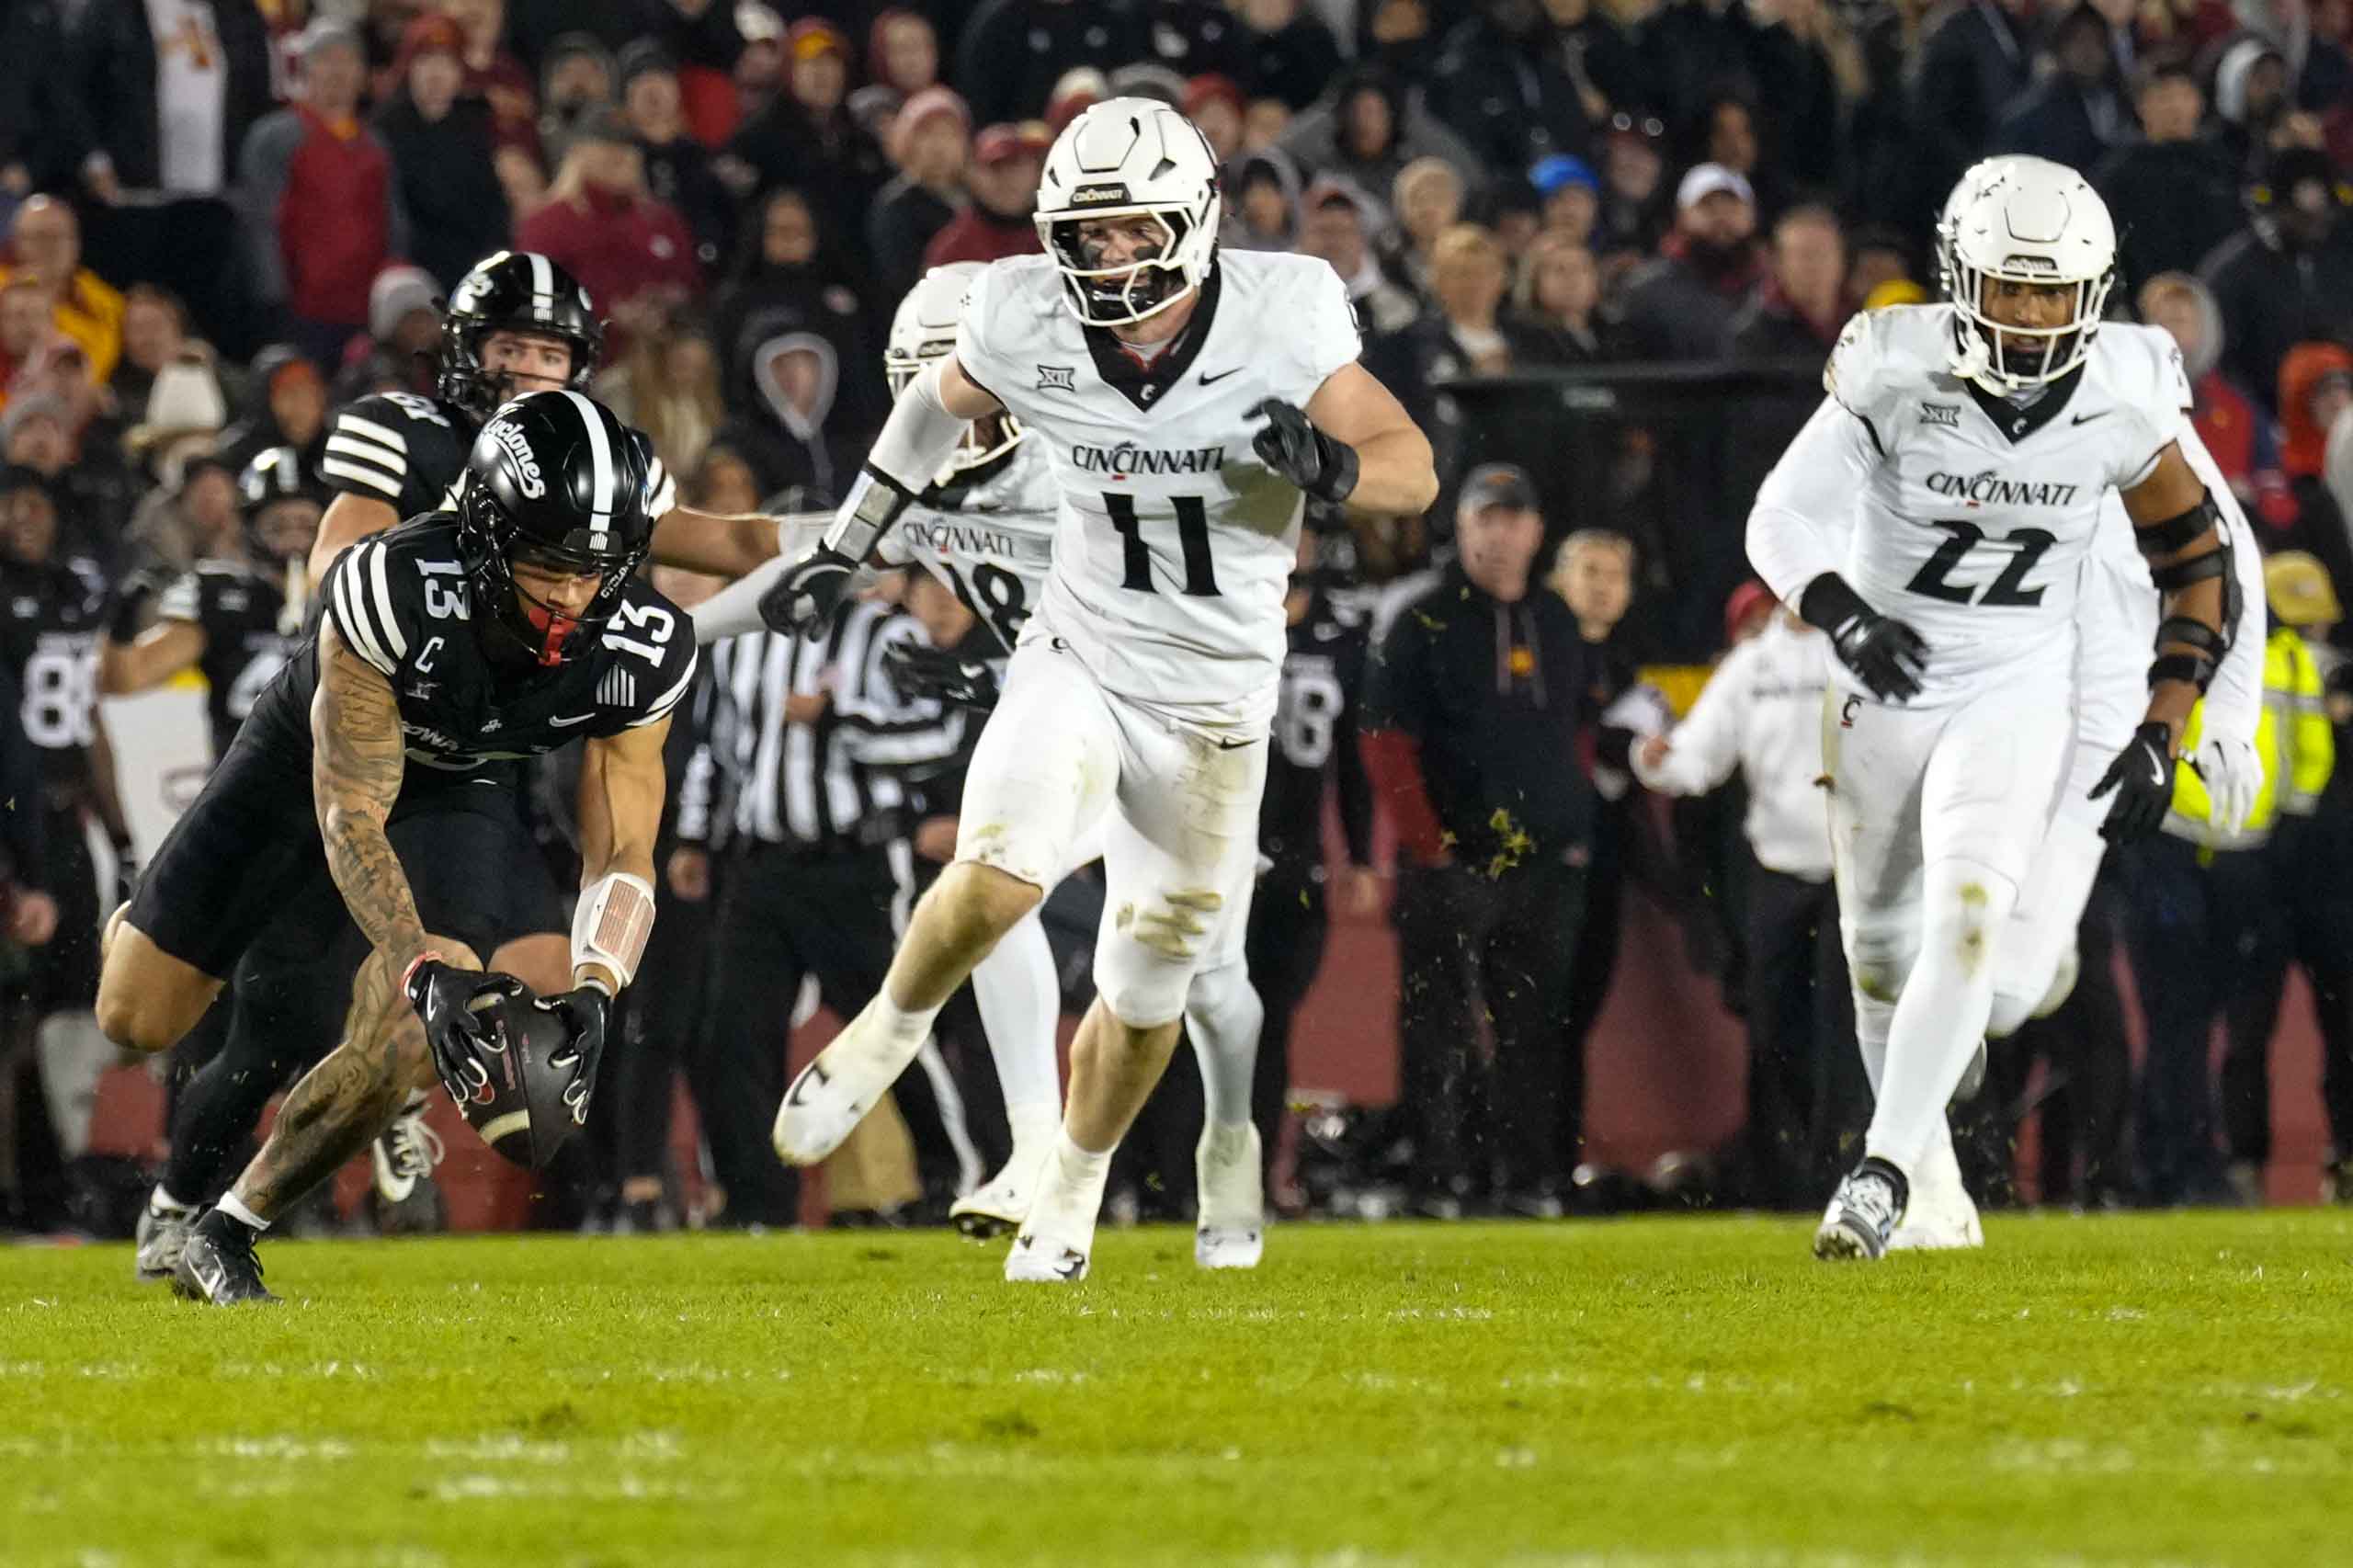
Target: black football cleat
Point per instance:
(218, 1264)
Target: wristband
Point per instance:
(1828, 603)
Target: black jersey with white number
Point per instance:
(241, 608)
(401, 600)
(49, 615)
(1315, 722)
(399, 448)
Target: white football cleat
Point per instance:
(1058, 1234)
(834, 1093)
(1002, 1202)
(1231, 1230)
(1940, 1215)
(406, 1153)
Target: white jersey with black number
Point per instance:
(991, 542)
(1176, 544)
(1977, 524)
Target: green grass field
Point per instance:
(1684, 1391)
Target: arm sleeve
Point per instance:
(1704, 749)
(2234, 699)
(1804, 505)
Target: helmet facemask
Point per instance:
(490, 545)
(1132, 291)
(1994, 348)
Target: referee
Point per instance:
(806, 770)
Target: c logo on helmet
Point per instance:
(527, 463)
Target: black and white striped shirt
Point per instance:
(835, 782)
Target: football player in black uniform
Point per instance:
(386, 757)
(50, 612)
(236, 618)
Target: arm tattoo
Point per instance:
(355, 777)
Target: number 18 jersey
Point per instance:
(989, 536)
(1175, 543)
(1976, 522)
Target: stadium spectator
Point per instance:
(928, 141)
(2172, 194)
(1265, 123)
(25, 330)
(1262, 203)
(2316, 387)
(180, 523)
(1007, 162)
(1282, 50)
(2234, 431)
(2287, 276)
(1475, 697)
(678, 170)
(163, 96)
(1681, 305)
(289, 409)
(2077, 114)
(504, 85)
(2250, 95)
(759, 69)
(1636, 200)
(444, 151)
(902, 52)
(154, 334)
(667, 385)
(1800, 307)
(807, 138)
(1557, 299)
(1428, 197)
(1464, 335)
(1216, 105)
(45, 242)
(1336, 227)
(186, 408)
(632, 253)
(1497, 84)
(1974, 61)
(1570, 194)
(321, 200)
(1014, 52)
(575, 86)
(403, 335)
(1370, 130)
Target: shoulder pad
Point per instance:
(1881, 353)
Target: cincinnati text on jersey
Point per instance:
(1992, 490)
(947, 538)
(1143, 459)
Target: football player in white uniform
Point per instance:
(985, 530)
(1188, 401)
(1976, 441)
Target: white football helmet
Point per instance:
(2024, 220)
(923, 329)
(1121, 158)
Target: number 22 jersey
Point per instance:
(1175, 542)
(1979, 512)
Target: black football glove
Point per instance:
(1295, 448)
(2142, 778)
(126, 871)
(451, 1002)
(586, 1011)
(921, 671)
(1886, 654)
(809, 591)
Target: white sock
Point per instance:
(163, 1202)
(903, 1027)
(1035, 1126)
(1021, 1000)
(1941, 1018)
(234, 1207)
(1072, 1194)
(1227, 1141)
(1223, 1014)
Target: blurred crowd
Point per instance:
(223, 218)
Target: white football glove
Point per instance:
(2233, 776)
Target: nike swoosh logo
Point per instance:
(1212, 381)
(1224, 744)
(567, 723)
(816, 1072)
(2156, 773)
(212, 1281)
(2087, 418)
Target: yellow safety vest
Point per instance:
(2292, 737)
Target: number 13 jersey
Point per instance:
(1978, 518)
(1175, 543)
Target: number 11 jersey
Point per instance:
(1175, 543)
(1977, 520)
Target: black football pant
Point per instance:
(656, 1023)
(1808, 1098)
(1289, 923)
(2307, 919)
(784, 915)
(1471, 945)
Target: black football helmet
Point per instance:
(553, 481)
(513, 291)
(273, 534)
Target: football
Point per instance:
(520, 1112)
